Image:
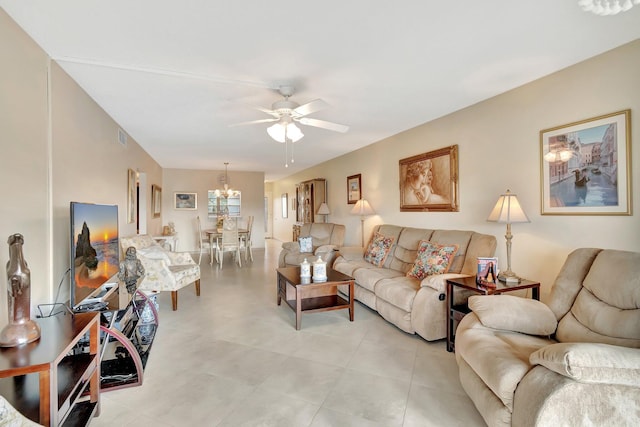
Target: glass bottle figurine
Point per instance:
(305, 271)
(21, 329)
(319, 270)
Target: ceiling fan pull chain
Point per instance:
(292, 145)
(286, 155)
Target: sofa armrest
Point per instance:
(291, 246)
(511, 313)
(324, 249)
(351, 253)
(591, 362)
(439, 281)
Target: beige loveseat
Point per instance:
(326, 238)
(415, 306)
(573, 362)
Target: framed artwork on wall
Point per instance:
(156, 200)
(185, 201)
(131, 196)
(354, 188)
(429, 181)
(585, 167)
(285, 205)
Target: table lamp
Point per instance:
(508, 210)
(364, 209)
(324, 210)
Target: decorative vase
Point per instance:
(305, 271)
(319, 270)
(21, 329)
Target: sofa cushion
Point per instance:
(591, 363)
(514, 313)
(431, 259)
(454, 237)
(368, 277)
(406, 248)
(398, 291)
(306, 244)
(378, 249)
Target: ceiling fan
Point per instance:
(286, 113)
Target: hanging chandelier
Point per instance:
(226, 192)
(607, 7)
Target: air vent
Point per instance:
(122, 137)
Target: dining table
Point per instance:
(215, 233)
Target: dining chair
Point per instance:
(203, 242)
(229, 242)
(246, 240)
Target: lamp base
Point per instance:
(509, 277)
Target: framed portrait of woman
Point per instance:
(429, 181)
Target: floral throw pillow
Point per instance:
(378, 249)
(432, 259)
(306, 244)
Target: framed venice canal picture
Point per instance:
(586, 166)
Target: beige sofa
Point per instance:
(326, 239)
(415, 306)
(573, 362)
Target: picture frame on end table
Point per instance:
(156, 200)
(185, 201)
(354, 188)
(429, 181)
(585, 166)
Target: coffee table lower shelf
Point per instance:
(317, 304)
(313, 297)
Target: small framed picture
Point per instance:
(185, 201)
(354, 189)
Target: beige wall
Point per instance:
(24, 170)
(58, 146)
(200, 181)
(499, 149)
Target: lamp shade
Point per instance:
(362, 208)
(508, 210)
(323, 209)
(277, 132)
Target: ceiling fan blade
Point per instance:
(324, 124)
(310, 107)
(252, 122)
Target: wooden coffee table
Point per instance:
(313, 297)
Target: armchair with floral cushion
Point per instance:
(315, 239)
(573, 361)
(164, 270)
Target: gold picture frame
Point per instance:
(156, 200)
(131, 196)
(585, 167)
(429, 181)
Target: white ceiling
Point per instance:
(176, 74)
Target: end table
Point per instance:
(455, 313)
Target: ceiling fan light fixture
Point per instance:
(279, 131)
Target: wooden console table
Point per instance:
(48, 380)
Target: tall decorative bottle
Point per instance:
(21, 329)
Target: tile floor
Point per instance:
(232, 357)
